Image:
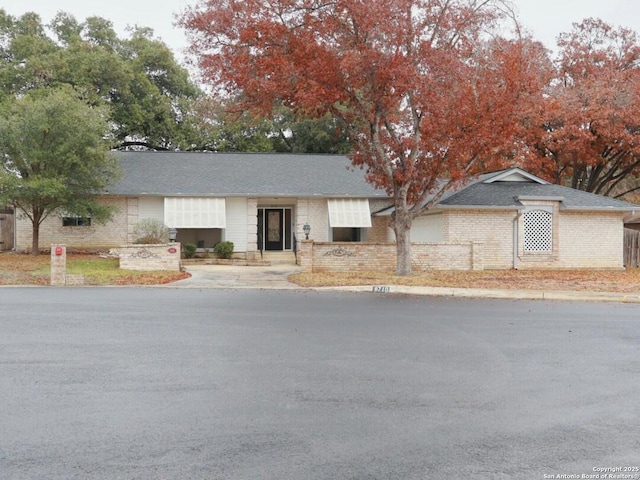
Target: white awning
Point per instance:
(349, 212)
(194, 212)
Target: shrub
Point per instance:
(189, 250)
(224, 249)
(150, 231)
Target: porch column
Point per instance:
(252, 228)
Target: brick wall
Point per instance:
(491, 228)
(446, 256)
(314, 212)
(380, 231)
(344, 257)
(580, 239)
(149, 257)
(94, 237)
(482, 241)
(590, 240)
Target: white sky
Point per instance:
(544, 18)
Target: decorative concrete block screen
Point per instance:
(149, 257)
(344, 257)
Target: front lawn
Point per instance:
(22, 269)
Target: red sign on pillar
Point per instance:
(58, 250)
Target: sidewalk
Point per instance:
(275, 277)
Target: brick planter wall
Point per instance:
(343, 257)
(149, 257)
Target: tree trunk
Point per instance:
(402, 228)
(36, 220)
(403, 252)
(35, 239)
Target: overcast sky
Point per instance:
(544, 18)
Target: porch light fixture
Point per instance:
(172, 234)
(306, 229)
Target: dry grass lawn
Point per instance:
(22, 269)
(623, 281)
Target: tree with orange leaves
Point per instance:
(590, 128)
(430, 96)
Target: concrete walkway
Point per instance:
(275, 277)
(229, 276)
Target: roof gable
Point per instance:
(514, 175)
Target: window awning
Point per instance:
(194, 212)
(349, 212)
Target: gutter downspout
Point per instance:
(515, 239)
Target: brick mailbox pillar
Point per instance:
(305, 255)
(58, 265)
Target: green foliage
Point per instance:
(224, 249)
(228, 127)
(54, 156)
(148, 95)
(189, 250)
(150, 231)
(151, 100)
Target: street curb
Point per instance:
(497, 294)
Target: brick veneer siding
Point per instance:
(585, 240)
(313, 211)
(580, 239)
(491, 228)
(95, 237)
(380, 231)
(344, 257)
(149, 257)
(480, 240)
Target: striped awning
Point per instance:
(349, 212)
(194, 212)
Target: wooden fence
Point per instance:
(6, 229)
(631, 248)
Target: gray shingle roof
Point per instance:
(505, 194)
(240, 174)
(488, 191)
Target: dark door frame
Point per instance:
(279, 219)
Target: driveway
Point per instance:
(164, 384)
(229, 276)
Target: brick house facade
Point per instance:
(503, 220)
(261, 202)
(251, 190)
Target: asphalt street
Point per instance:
(167, 383)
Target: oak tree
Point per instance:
(428, 92)
(54, 157)
(588, 130)
(226, 126)
(149, 96)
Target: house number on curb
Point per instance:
(381, 289)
